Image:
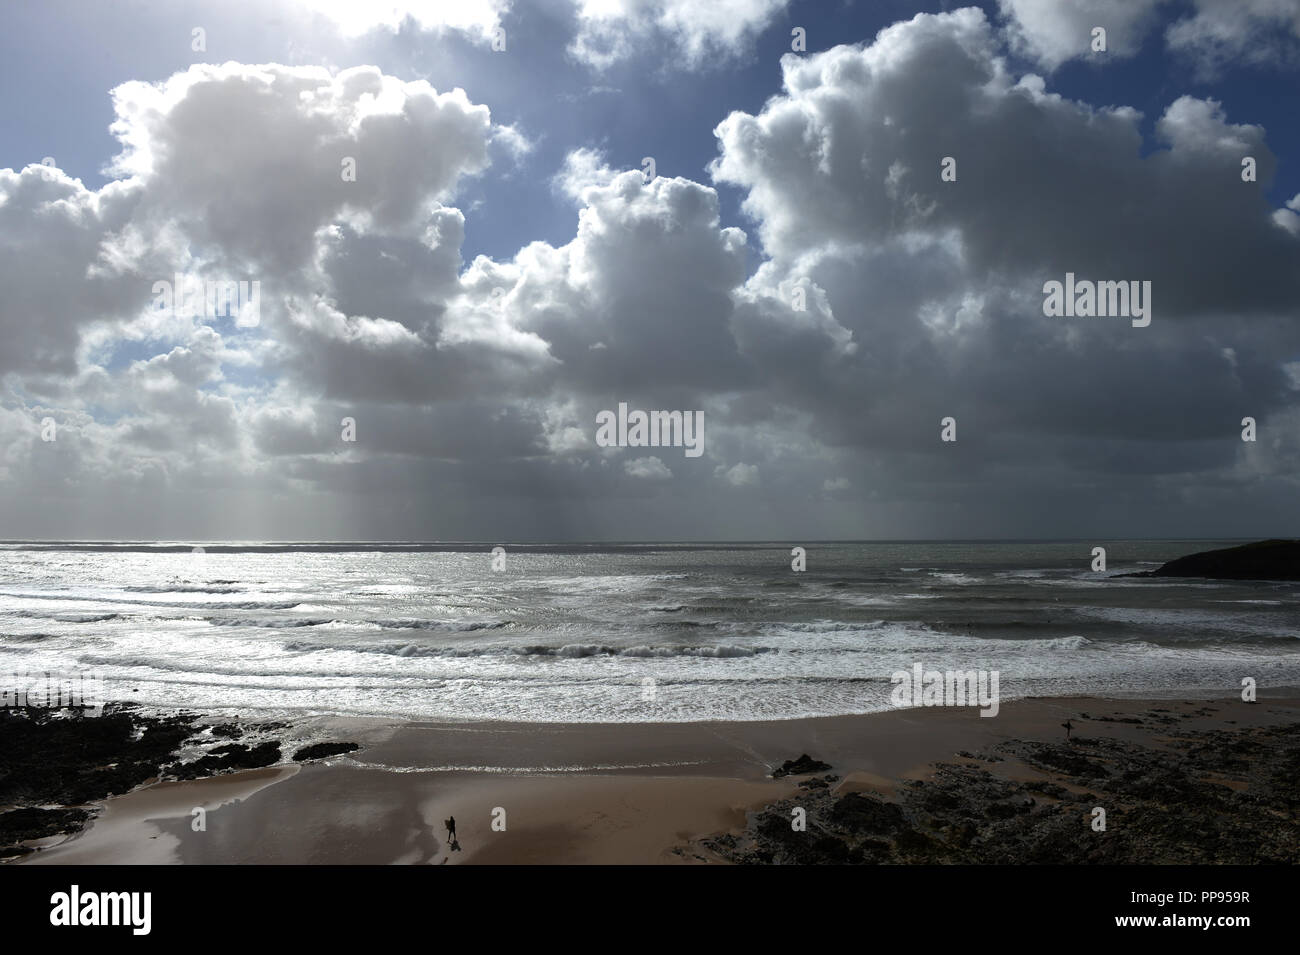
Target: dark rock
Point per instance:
(324, 750)
(18, 825)
(864, 815)
(47, 758)
(50, 759)
(798, 767)
(228, 757)
(1062, 759)
(1262, 560)
(1171, 803)
(1001, 810)
(1048, 789)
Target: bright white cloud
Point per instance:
(1214, 34)
(612, 30)
(475, 17)
(1053, 31)
(1221, 34)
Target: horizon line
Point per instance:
(392, 542)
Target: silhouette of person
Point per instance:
(1068, 726)
(451, 831)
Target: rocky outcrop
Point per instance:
(59, 758)
(798, 767)
(228, 757)
(1262, 560)
(323, 751)
(34, 823)
(49, 758)
(52, 758)
(1211, 798)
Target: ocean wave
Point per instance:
(170, 604)
(722, 651)
(269, 623)
(184, 589)
(441, 625)
(728, 607)
(1220, 624)
(333, 623)
(1073, 642)
(864, 600)
(239, 605)
(953, 578)
(601, 582)
(837, 626)
(570, 651)
(64, 617)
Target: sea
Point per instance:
(600, 632)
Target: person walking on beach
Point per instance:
(1068, 726)
(451, 829)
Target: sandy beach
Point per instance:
(612, 793)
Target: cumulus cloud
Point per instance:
(1289, 218)
(477, 18)
(647, 469)
(1257, 32)
(367, 310)
(611, 321)
(1212, 35)
(58, 271)
(604, 31)
(738, 475)
(870, 299)
(1054, 31)
(612, 30)
(938, 284)
(236, 172)
(251, 160)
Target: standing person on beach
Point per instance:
(451, 829)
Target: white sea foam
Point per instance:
(720, 635)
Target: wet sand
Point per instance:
(566, 793)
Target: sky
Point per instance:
(824, 229)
